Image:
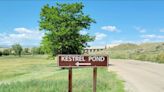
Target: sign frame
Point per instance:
(81, 55)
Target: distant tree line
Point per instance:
(18, 50)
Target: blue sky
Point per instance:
(116, 21)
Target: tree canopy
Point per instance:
(17, 49)
(62, 24)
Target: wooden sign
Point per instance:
(82, 61)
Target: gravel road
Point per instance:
(139, 76)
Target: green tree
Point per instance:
(6, 52)
(26, 51)
(33, 50)
(37, 50)
(40, 50)
(62, 25)
(1, 53)
(17, 49)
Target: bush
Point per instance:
(6, 52)
(17, 49)
(37, 50)
(142, 57)
(0, 53)
(26, 51)
(160, 58)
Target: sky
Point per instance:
(116, 21)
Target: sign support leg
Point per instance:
(94, 78)
(70, 80)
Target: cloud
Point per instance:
(22, 30)
(140, 29)
(25, 33)
(117, 41)
(100, 36)
(145, 40)
(22, 36)
(121, 41)
(83, 32)
(161, 30)
(153, 36)
(110, 28)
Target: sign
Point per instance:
(82, 60)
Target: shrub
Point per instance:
(26, 51)
(160, 58)
(17, 49)
(142, 57)
(0, 53)
(6, 52)
(37, 50)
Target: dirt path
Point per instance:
(139, 76)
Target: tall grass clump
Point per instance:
(160, 58)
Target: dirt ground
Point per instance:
(139, 76)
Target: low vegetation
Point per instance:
(18, 50)
(1, 53)
(146, 52)
(37, 74)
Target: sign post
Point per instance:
(70, 80)
(82, 61)
(94, 78)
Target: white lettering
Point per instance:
(62, 58)
(96, 58)
(72, 58)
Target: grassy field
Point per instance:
(37, 74)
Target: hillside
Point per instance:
(145, 51)
(125, 46)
